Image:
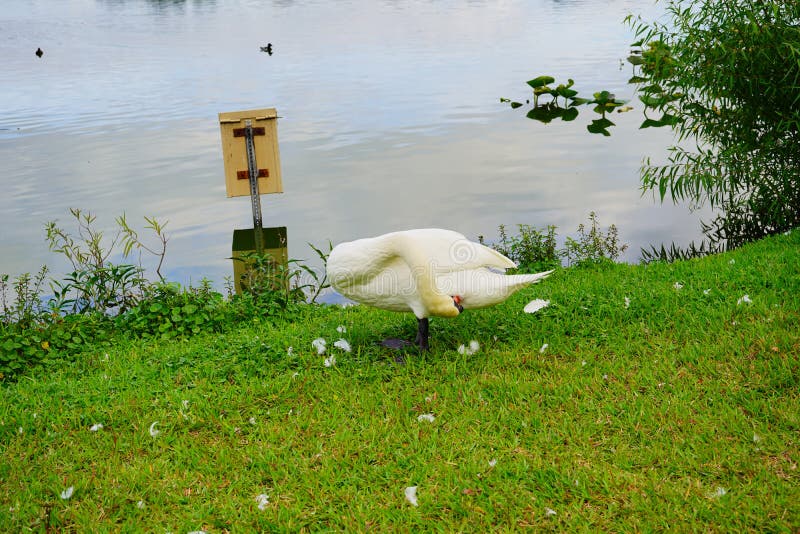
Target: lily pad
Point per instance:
(540, 81)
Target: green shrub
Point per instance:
(169, 311)
(728, 76)
(25, 306)
(95, 284)
(532, 250)
(593, 246)
(535, 250)
(58, 337)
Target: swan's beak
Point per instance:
(457, 303)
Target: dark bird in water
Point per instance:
(267, 49)
(39, 52)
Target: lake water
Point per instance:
(390, 119)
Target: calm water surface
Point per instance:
(390, 120)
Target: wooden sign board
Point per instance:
(244, 246)
(234, 153)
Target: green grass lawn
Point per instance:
(662, 400)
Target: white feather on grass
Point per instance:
(717, 493)
(473, 347)
(343, 344)
(411, 495)
(319, 345)
(536, 305)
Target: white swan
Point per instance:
(429, 272)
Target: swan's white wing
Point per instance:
(449, 251)
(370, 272)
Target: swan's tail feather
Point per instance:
(519, 280)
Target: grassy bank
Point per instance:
(663, 399)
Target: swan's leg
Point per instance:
(422, 334)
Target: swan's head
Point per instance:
(457, 303)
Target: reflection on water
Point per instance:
(390, 119)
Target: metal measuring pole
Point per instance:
(255, 197)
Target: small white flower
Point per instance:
(140, 505)
(605, 377)
(319, 345)
(95, 427)
(745, 299)
(330, 361)
(544, 348)
(153, 430)
(252, 420)
(756, 438)
(20, 430)
(732, 262)
(411, 495)
(263, 501)
(583, 363)
(706, 291)
(342, 344)
(627, 302)
(492, 462)
(341, 329)
(719, 492)
(677, 285)
(67, 493)
(536, 305)
(185, 404)
(295, 375)
(289, 351)
(426, 417)
(549, 512)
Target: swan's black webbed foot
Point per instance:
(402, 345)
